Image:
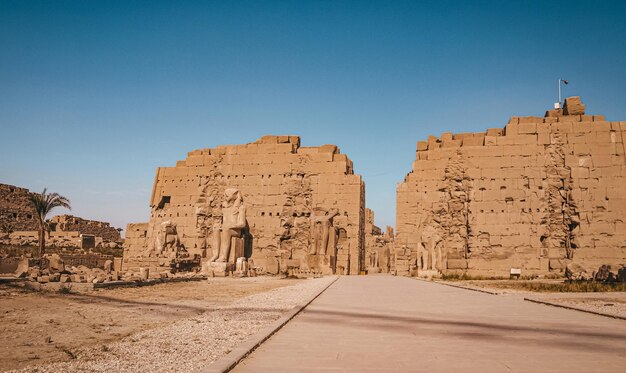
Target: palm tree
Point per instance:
(6, 228)
(44, 203)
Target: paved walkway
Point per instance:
(387, 323)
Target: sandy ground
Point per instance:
(38, 328)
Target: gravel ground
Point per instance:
(188, 344)
(608, 303)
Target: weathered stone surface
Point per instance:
(220, 269)
(577, 272)
(22, 268)
(605, 274)
(55, 263)
(43, 279)
(541, 195)
(270, 200)
(573, 106)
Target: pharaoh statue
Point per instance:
(232, 225)
(323, 233)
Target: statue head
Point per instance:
(232, 197)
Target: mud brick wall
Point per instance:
(537, 195)
(281, 184)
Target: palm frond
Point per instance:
(43, 203)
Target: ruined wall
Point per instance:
(17, 213)
(284, 188)
(536, 195)
(67, 223)
(378, 246)
(15, 208)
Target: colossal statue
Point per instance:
(323, 232)
(232, 225)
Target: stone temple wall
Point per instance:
(299, 208)
(537, 195)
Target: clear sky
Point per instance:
(94, 95)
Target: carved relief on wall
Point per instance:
(295, 237)
(219, 219)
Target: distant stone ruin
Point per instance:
(17, 215)
(271, 206)
(68, 223)
(15, 209)
(536, 196)
(379, 252)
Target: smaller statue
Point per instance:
(167, 243)
(430, 248)
(374, 261)
(201, 230)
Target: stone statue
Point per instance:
(232, 225)
(322, 231)
(374, 260)
(430, 248)
(201, 230)
(167, 243)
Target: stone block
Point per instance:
(457, 264)
(491, 140)
(573, 106)
(495, 132)
(451, 143)
(43, 279)
(220, 269)
(474, 141)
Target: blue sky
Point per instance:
(94, 95)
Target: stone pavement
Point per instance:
(387, 323)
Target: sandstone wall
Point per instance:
(283, 186)
(15, 208)
(68, 223)
(536, 195)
